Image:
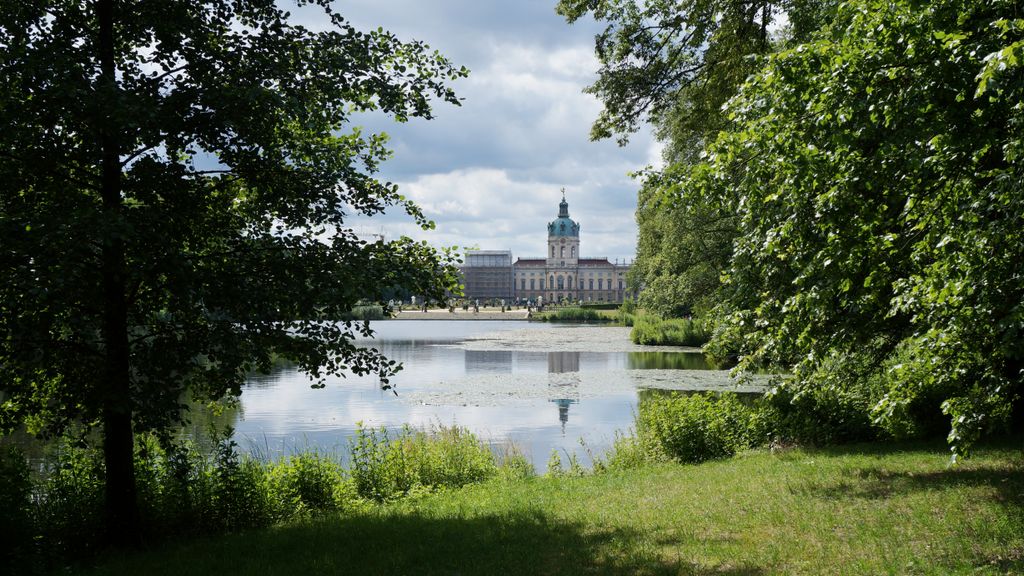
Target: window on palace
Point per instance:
(551, 281)
(561, 282)
(573, 251)
(620, 284)
(532, 286)
(552, 251)
(562, 253)
(541, 283)
(600, 284)
(570, 282)
(522, 284)
(591, 283)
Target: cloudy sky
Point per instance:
(488, 173)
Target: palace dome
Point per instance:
(563, 225)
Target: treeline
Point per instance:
(841, 191)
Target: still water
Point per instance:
(540, 387)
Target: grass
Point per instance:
(654, 331)
(575, 314)
(865, 509)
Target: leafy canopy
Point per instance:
(221, 229)
(875, 173)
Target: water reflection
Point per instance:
(563, 383)
(560, 362)
(668, 361)
(505, 395)
(488, 361)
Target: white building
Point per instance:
(563, 275)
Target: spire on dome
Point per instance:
(563, 207)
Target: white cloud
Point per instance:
(489, 172)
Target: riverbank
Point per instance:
(867, 509)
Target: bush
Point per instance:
(384, 468)
(366, 312)
(692, 428)
(307, 482)
(911, 396)
(812, 415)
(69, 509)
(651, 330)
(16, 526)
(578, 315)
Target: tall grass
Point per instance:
(386, 465)
(57, 516)
(651, 330)
(366, 312)
(574, 314)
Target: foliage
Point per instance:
(626, 453)
(513, 465)
(875, 176)
(850, 511)
(574, 314)
(554, 465)
(659, 55)
(309, 481)
(651, 330)
(385, 468)
(177, 177)
(69, 507)
(57, 516)
(682, 248)
(692, 428)
(676, 64)
(366, 312)
(16, 525)
(811, 416)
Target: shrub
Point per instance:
(812, 415)
(242, 496)
(577, 315)
(16, 526)
(911, 396)
(366, 312)
(384, 468)
(692, 428)
(307, 482)
(69, 509)
(651, 330)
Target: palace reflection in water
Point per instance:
(519, 396)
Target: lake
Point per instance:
(542, 387)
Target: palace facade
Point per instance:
(561, 275)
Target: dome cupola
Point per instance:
(563, 225)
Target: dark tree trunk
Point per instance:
(122, 510)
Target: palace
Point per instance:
(561, 275)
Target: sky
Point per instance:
(489, 172)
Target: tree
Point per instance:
(876, 178)
(675, 64)
(176, 180)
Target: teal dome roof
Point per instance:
(563, 225)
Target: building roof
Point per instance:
(563, 225)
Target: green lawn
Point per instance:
(859, 510)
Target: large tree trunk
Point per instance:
(122, 510)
